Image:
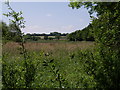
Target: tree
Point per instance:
(57, 37)
(14, 33)
(46, 37)
(17, 21)
(55, 33)
(106, 30)
(71, 36)
(81, 35)
(9, 32)
(50, 38)
(5, 30)
(35, 38)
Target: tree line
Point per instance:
(50, 36)
(9, 33)
(82, 35)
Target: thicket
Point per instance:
(106, 29)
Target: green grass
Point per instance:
(54, 63)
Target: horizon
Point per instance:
(45, 33)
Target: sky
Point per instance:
(46, 17)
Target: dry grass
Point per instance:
(12, 47)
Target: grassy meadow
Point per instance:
(47, 46)
(56, 64)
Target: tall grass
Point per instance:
(13, 48)
(52, 65)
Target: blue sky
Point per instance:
(46, 17)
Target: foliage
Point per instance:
(29, 37)
(4, 28)
(50, 34)
(82, 35)
(53, 69)
(57, 37)
(17, 23)
(9, 32)
(50, 38)
(46, 37)
(106, 30)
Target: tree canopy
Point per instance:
(82, 35)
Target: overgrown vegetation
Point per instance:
(106, 29)
(57, 64)
(96, 67)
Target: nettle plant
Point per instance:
(55, 72)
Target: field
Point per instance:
(61, 37)
(47, 46)
(54, 64)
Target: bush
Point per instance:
(46, 37)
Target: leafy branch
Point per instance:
(19, 23)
